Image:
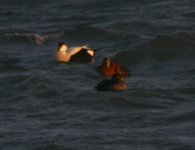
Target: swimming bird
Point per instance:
(80, 54)
(116, 83)
(108, 68)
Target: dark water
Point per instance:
(47, 106)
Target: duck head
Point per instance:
(62, 47)
(90, 52)
(61, 55)
(106, 62)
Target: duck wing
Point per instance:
(122, 70)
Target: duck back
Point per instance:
(119, 86)
(82, 56)
(104, 85)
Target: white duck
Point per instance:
(74, 54)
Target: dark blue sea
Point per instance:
(50, 106)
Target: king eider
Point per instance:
(80, 54)
(108, 68)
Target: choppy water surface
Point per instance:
(45, 105)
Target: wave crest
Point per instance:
(98, 33)
(34, 37)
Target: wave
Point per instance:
(49, 146)
(34, 38)
(11, 65)
(98, 33)
(162, 47)
(30, 37)
(182, 115)
(86, 33)
(190, 14)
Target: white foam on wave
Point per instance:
(34, 37)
